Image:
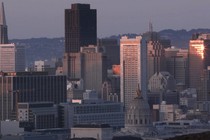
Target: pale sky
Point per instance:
(45, 18)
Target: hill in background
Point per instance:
(49, 48)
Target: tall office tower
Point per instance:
(94, 70)
(133, 69)
(80, 30)
(199, 64)
(29, 87)
(12, 58)
(155, 57)
(3, 26)
(80, 27)
(177, 65)
(90, 65)
(112, 50)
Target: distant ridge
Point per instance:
(179, 38)
(47, 48)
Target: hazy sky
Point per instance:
(45, 18)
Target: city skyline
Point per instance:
(112, 19)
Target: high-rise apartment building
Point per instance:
(132, 67)
(80, 27)
(199, 64)
(3, 26)
(12, 58)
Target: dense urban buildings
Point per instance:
(95, 93)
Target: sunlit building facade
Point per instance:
(199, 64)
(12, 58)
(131, 67)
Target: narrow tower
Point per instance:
(3, 26)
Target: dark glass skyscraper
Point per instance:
(80, 27)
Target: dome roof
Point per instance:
(138, 105)
(138, 115)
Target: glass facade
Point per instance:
(33, 88)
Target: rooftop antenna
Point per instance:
(150, 27)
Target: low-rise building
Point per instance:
(166, 111)
(37, 115)
(91, 111)
(10, 128)
(97, 131)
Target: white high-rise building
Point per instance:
(133, 69)
(12, 58)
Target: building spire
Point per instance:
(3, 26)
(2, 15)
(150, 27)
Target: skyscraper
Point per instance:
(89, 65)
(199, 64)
(80, 27)
(177, 65)
(132, 66)
(12, 58)
(3, 26)
(93, 68)
(80, 31)
(112, 50)
(155, 57)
